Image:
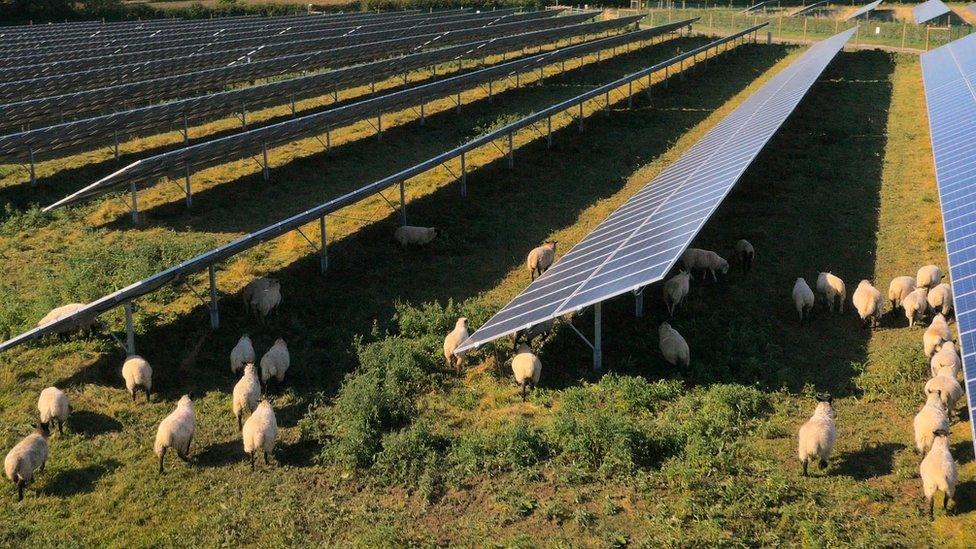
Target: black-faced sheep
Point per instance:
(26, 458)
(745, 254)
(259, 433)
(706, 261)
(527, 368)
(541, 258)
(176, 431)
(938, 472)
(53, 405)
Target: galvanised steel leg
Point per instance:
(511, 152)
(214, 312)
(33, 173)
(323, 253)
(379, 127)
(639, 303)
(597, 337)
(186, 185)
(130, 332)
(464, 177)
(135, 204)
(264, 153)
(423, 115)
(403, 205)
(186, 133)
(549, 132)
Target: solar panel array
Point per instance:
(756, 6)
(812, 7)
(927, 11)
(640, 242)
(867, 8)
(949, 74)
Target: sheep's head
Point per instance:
(723, 266)
(550, 244)
(249, 368)
(43, 429)
(940, 433)
(461, 322)
(665, 328)
(186, 400)
(435, 232)
(281, 341)
(524, 348)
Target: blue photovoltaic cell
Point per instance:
(949, 74)
(864, 9)
(640, 241)
(928, 11)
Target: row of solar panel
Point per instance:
(930, 10)
(865, 9)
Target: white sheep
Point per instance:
(137, 375)
(673, 346)
(802, 299)
(26, 458)
(938, 472)
(817, 435)
(527, 368)
(241, 354)
(176, 431)
(745, 254)
(935, 335)
(451, 342)
(267, 300)
(676, 290)
(949, 389)
(707, 261)
(915, 305)
(259, 433)
(247, 393)
(832, 290)
(541, 258)
(946, 357)
(254, 288)
(899, 288)
(275, 362)
(53, 405)
(868, 302)
(408, 235)
(930, 418)
(928, 276)
(940, 298)
(57, 313)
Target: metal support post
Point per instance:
(403, 204)
(264, 152)
(214, 312)
(379, 127)
(597, 337)
(423, 116)
(549, 132)
(186, 185)
(33, 173)
(464, 176)
(130, 332)
(323, 252)
(511, 152)
(135, 205)
(639, 303)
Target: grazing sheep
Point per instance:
(940, 298)
(451, 342)
(527, 368)
(541, 258)
(58, 313)
(247, 392)
(745, 254)
(673, 346)
(946, 357)
(930, 418)
(260, 431)
(275, 362)
(899, 288)
(241, 354)
(832, 291)
(138, 375)
(53, 405)
(928, 276)
(935, 335)
(707, 261)
(407, 236)
(255, 288)
(266, 301)
(869, 303)
(915, 305)
(676, 289)
(176, 431)
(938, 472)
(802, 299)
(949, 389)
(818, 434)
(26, 458)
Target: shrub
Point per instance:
(413, 457)
(511, 447)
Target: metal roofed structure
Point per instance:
(927, 11)
(640, 242)
(949, 75)
(864, 10)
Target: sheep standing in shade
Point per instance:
(915, 305)
(946, 357)
(451, 342)
(255, 288)
(541, 258)
(802, 299)
(247, 393)
(267, 301)
(818, 434)
(948, 388)
(176, 431)
(527, 368)
(57, 313)
(928, 276)
(935, 335)
(53, 405)
(745, 254)
(940, 298)
(259, 433)
(869, 303)
(26, 458)
(938, 472)
(241, 354)
(930, 418)
(832, 290)
(409, 236)
(706, 261)
(275, 362)
(138, 375)
(673, 346)
(899, 289)
(676, 290)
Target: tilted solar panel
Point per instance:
(864, 9)
(812, 7)
(930, 10)
(640, 241)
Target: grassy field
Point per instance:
(381, 446)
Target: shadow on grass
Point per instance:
(91, 424)
(298, 454)
(79, 481)
(965, 497)
(875, 460)
(220, 454)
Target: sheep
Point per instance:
(832, 291)
(275, 362)
(673, 346)
(53, 405)
(57, 313)
(745, 254)
(938, 472)
(899, 288)
(935, 335)
(407, 236)
(451, 342)
(695, 259)
(948, 387)
(869, 303)
(802, 299)
(940, 298)
(928, 276)
(241, 354)
(27, 457)
(676, 290)
(817, 435)
(267, 300)
(247, 392)
(255, 288)
(527, 368)
(138, 375)
(260, 431)
(915, 305)
(176, 431)
(930, 418)
(541, 258)
(946, 357)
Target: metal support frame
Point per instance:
(490, 96)
(243, 116)
(423, 114)
(403, 204)
(33, 173)
(549, 132)
(639, 303)
(379, 126)
(464, 177)
(511, 152)
(186, 135)
(265, 170)
(135, 203)
(186, 185)
(597, 337)
(130, 332)
(214, 312)
(323, 251)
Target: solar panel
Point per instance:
(756, 6)
(949, 75)
(807, 9)
(640, 241)
(867, 8)
(927, 11)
